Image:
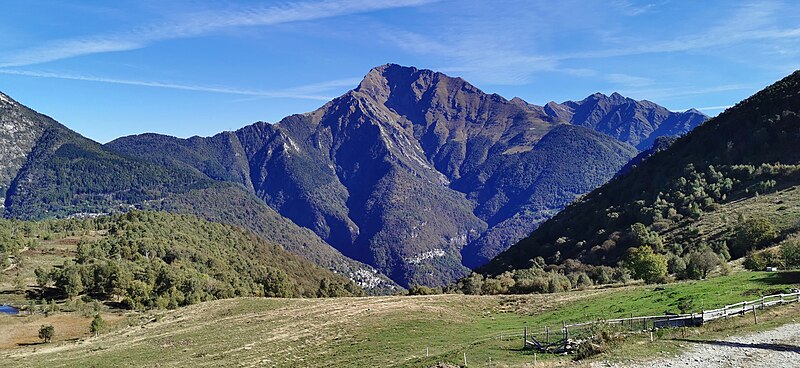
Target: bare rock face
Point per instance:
(19, 131)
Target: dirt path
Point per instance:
(779, 347)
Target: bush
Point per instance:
(602, 340)
(790, 252)
(98, 325)
(472, 285)
(701, 263)
(676, 266)
(646, 265)
(758, 261)
(602, 275)
(640, 235)
(423, 290)
(46, 333)
(752, 234)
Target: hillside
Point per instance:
(736, 170)
(143, 260)
(363, 170)
(55, 172)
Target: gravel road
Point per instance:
(779, 347)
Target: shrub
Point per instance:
(790, 252)
(752, 234)
(701, 263)
(46, 333)
(646, 265)
(98, 325)
(602, 340)
(423, 290)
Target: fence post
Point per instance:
(755, 317)
(566, 335)
(525, 339)
(465, 359)
(547, 334)
(781, 298)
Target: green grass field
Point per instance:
(372, 331)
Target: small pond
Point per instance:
(7, 309)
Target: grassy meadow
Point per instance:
(360, 332)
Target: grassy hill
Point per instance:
(369, 331)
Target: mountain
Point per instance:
(419, 174)
(706, 190)
(638, 123)
(52, 171)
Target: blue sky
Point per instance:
(190, 67)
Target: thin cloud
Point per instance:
(484, 52)
(628, 80)
(664, 93)
(707, 108)
(306, 92)
(196, 24)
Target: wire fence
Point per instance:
(561, 340)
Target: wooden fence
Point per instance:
(548, 341)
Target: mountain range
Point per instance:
(413, 174)
(705, 190)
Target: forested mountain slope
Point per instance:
(58, 173)
(703, 191)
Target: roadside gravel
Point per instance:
(779, 347)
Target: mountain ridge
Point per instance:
(348, 169)
(678, 192)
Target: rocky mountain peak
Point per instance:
(5, 100)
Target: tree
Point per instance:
(423, 290)
(98, 325)
(752, 234)
(647, 265)
(676, 266)
(46, 333)
(472, 285)
(790, 251)
(640, 235)
(276, 284)
(701, 263)
(69, 280)
(42, 279)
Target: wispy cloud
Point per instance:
(478, 56)
(499, 53)
(628, 80)
(308, 92)
(711, 108)
(196, 24)
(630, 8)
(666, 93)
